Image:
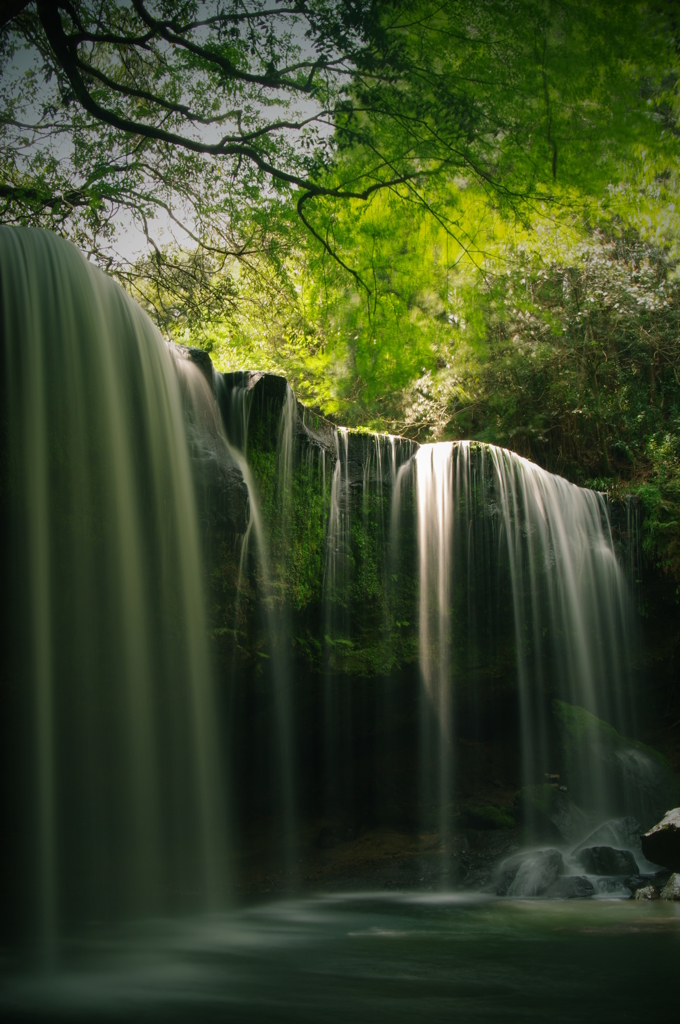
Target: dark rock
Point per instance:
(203, 361)
(639, 781)
(661, 844)
(221, 488)
(252, 401)
(570, 887)
(530, 873)
(671, 890)
(648, 892)
(604, 860)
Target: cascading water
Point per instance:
(504, 545)
(112, 767)
(435, 546)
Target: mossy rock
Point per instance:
(610, 773)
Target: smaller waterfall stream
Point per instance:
(434, 474)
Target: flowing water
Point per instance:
(115, 792)
(501, 539)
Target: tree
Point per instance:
(215, 115)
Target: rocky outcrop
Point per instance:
(221, 488)
(604, 860)
(251, 402)
(638, 779)
(661, 844)
(671, 890)
(648, 892)
(529, 873)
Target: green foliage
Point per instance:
(211, 118)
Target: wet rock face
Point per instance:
(671, 890)
(530, 873)
(661, 844)
(570, 887)
(604, 860)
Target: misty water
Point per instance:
(136, 756)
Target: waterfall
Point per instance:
(513, 558)
(109, 722)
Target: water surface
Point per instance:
(372, 957)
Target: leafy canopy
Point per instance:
(212, 117)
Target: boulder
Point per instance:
(661, 844)
(530, 873)
(605, 770)
(648, 892)
(671, 890)
(604, 860)
(570, 887)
